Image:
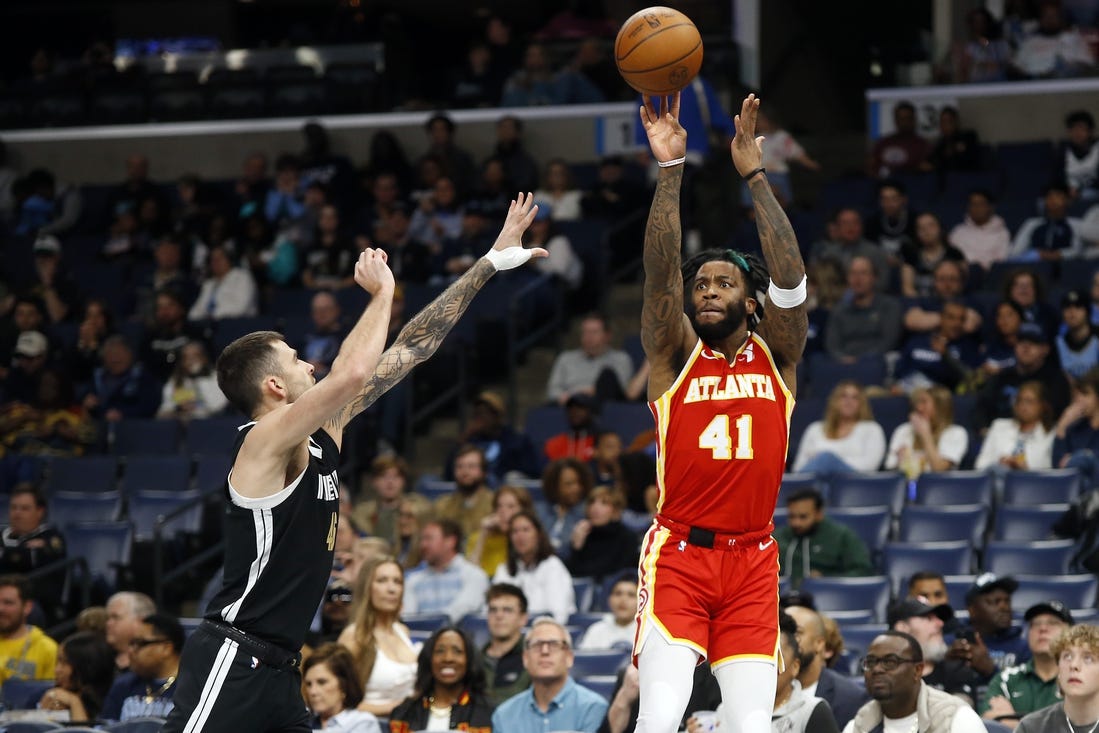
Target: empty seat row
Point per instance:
(160, 472)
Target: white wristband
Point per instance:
(791, 298)
(671, 163)
(508, 259)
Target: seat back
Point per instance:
(1053, 486)
(857, 637)
(1075, 591)
(86, 473)
(872, 524)
(24, 694)
(850, 594)
(902, 559)
(795, 482)
(425, 621)
(949, 488)
(75, 506)
(167, 473)
(104, 545)
(146, 507)
(588, 662)
(215, 435)
(145, 436)
(868, 489)
(1042, 557)
(1027, 523)
(944, 523)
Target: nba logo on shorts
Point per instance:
(682, 545)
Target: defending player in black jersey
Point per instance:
(239, 670)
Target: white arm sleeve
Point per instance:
(791, 298)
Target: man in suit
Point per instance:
(844, 696)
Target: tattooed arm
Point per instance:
(783, 329)
(666, 334)
(422, 335)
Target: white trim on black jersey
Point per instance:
(263, 502)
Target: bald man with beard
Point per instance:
(844, 696)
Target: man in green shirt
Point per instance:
(811, 545)
(1030, 686)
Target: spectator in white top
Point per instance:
(779, 150)
(929, 441)
(192, 391)
(1024, 441)
(533, 567)
(617, 628)
(1078, 155)
(445, 582)
(229, 291)
(593, 369)
(1053, 51)
(563, 261)
(559, 192)
(983, 237)
(847, 439)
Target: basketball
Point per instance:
(658, 51)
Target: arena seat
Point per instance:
(949, 488)
(211, 435)
(1052, 486)
(872, 524)
(602, 684)
(902, 559)
(869, 593)
(1075, 591)
(84, 473)
(795, 482)
(146, 506)
(136, 435)
(944, 523)
(588, 662)
(104, 545)
(75, 506)
(1043, 557)
(168, 473)
(868, 489)
(1027, 523)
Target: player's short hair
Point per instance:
(812, 495)
(501, 590)
(243, 364)
(756, 277)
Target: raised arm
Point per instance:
(666, 333)
(422, 335)
(287, 426)
(783, 329)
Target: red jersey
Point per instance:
(722, 432)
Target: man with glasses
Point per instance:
(901, 702)
(1033, 685)
(502, 656)
(147, 689)
(1077, 655)
(554, 701)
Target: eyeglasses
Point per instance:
(547, 645)
(142, 643)
(888, 663)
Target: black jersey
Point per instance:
(278, 550)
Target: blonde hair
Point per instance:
(1081, 635)
(831, 411)
(944, 407)
(365, 616)
(521, 495)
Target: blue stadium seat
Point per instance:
(104, 545)
(585, 619)
(144, 436)
(1044, 557)
(597, 662)
(601, 684)
(890, 412)
(794, 482)
(902, 559)
(826, 372)
(1075, 591)
(425, 621)
(808, 410)
(956, 588)
(585, 591)
(857, 637)
(434, 488)
(1053, 486)
(626, 418)
(75, 506)
(211, 470)
(167, 473)
(947, 488)
(868, 489)
(24, 695)
(849, 594)
(33, 726)
(137, 725)
(145, 507)
(944, 523)
(476, 625)
(857, 616)
(871, 523)
(212, 434)
(1027, 523)
(86, 473)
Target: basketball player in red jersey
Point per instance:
(721, 389)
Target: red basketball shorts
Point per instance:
(721, 601)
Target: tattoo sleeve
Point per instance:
(419, 339)
(784, 329)
(662, 308)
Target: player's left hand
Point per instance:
(746, 148)
(509, 243)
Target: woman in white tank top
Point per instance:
(383, 650)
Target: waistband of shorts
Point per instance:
(266, 652)
(708, 538)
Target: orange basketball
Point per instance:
(658, 51)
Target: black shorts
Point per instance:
(223, 688)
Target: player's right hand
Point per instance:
(372, 272)
(667, 138)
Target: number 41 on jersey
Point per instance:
(717, 439)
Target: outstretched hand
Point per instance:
(746, 148)
(509, 251)
(667, 138)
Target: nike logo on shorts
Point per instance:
(764, 545)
